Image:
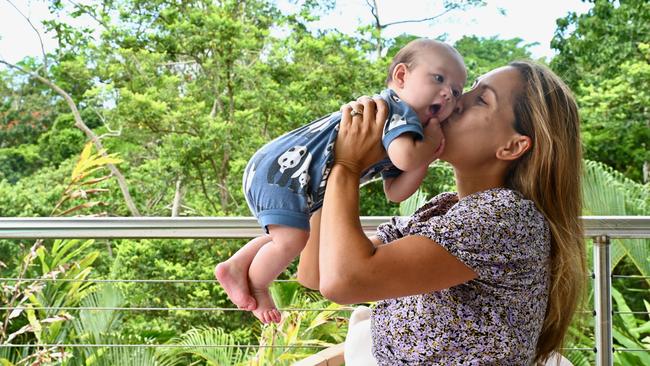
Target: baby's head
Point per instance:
(429, 76)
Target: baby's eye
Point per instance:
(439, 78)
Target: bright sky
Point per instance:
(531, 20)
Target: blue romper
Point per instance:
(284, 182)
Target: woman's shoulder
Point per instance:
(498, 202)
(502, 214)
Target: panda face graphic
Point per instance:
(395, 98)
(329, 148)
(396, 120)
(290, 158)
(303, 179)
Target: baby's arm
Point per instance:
(407, 153)
(399, 188)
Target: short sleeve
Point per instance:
(401, 119)
(392, 230)
(497, 239)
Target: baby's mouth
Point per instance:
(434, 109)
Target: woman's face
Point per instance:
(482, 121)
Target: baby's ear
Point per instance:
(515, 147)
(399, 74)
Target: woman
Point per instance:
(489, 275)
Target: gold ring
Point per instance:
(355, 113)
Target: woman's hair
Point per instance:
(549, 174)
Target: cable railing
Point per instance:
(601, 228)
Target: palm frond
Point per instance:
(96, 325)
(408, 206)
(202, 343)
(609, 193)
(132, 356)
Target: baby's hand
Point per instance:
(433, 133)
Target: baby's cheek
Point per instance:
(449, 108)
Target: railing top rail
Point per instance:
(234, 227)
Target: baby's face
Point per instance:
(433, 86)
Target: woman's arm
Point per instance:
(308, 275)
(351, 269)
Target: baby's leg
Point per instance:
(269, 262)
(233, 273)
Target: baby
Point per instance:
(284, 182)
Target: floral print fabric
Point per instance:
(494, 319)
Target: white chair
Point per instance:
(358, 343)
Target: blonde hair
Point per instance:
(550, 175)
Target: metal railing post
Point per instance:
(603, 301)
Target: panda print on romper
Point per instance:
(290, 169)
(299, 162)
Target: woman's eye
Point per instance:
(480, 100)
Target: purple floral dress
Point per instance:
(492, 320)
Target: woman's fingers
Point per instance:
(357, 109)
(351, 110)
(382, 112)
(369, 111)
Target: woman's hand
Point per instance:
(358, 144)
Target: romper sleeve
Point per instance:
(500, 239)
(401, 119)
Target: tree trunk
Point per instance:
(178, 197)
(89, 134)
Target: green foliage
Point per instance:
(290, 340)
(615, 117)
(24, 111)
(34, 195)
(484, 54)
(36, 317)
(630, 332)
(591, 46)
(18, 162)
(608, 193)
(603, 56)
(198, 343)
(62, 141)
(170, 259)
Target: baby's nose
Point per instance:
(446, 93)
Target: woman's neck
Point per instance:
(467, 184)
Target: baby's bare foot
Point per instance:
(265, 311)
(234, 281)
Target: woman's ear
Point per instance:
(399, 74)
(515, 148)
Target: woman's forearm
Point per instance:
(343, 244)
